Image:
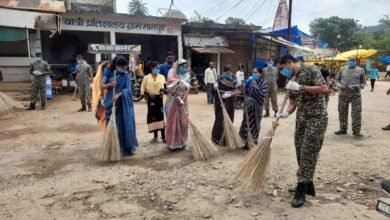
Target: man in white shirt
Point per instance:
(388, 71)
(240, 74)
(210, 77)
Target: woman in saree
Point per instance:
(152, 88)
(227, 86)
(119, 98)
(255, 90)
(176, 107)
(98, 94)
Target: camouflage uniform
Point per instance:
(350, 77)
(311, 122)
(83, 80)
(270, 77)
(39, 81)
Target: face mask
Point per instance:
(78, 61)
(227, 75)
(255, 76)
(156, 71)
(352, 63)
(38, 59)
(269, 64)
(286, 72)
(121, 69)
(182, 70)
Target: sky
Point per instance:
(262, 12)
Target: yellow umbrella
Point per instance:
(336, 59)
(357, 53)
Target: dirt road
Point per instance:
(48, 170)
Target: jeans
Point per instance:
(210, 93)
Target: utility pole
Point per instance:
(289, 19)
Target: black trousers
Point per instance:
(162, 133)
(372, 84)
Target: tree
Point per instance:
(385, 21)
(327, 29)
(137, 8)
(198, 18)
(236, 21)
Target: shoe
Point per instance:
(387, 128)
(32, 107)
(310, 189)
(357, 134)
(266, 115)
(275, 113)
(89, 108)
(340, 132)
(43, 107)
(82, 109)
(300, 195)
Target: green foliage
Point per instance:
(198, 18)
(236, 21)
(137, 8)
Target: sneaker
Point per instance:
(387, 128)
(358, 134)
(340, 132)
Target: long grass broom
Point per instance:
(109, 150)
(233, 140)
(8, 104)
(202, 148)
(252, 170)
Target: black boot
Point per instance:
(89, 108)
(358, 134)
(340, 132)
(387, 128)
(300, 196)
(82, 109)
(311, 191)
(266, 115)
(32, 107)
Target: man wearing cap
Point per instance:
(84, 78)
(270, 75)
(351, 79)
(39, 70)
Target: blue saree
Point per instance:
(124, 112)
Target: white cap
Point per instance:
(181, 61)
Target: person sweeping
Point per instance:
(255, 90)
(307, 97)
(124, 108)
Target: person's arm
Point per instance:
(322, 89)
(205, 75)
(291, 106)
(47, 68)
(31, 69)
(143, 85)
(363, 80)
(338, 80)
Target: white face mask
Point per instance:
(38, 59)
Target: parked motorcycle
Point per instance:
(137, 82)
(194, 85)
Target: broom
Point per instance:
(110, 148)
(202, 148)
(7, 103)
(233, 140)
(252, 170)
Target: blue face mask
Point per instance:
(269, 64)
(352, 63)
(227, 75)
(78, 61)
(286, 72)
(156, 71)
(182, 70)
(121, 69)
(38, 59)
(255, 76)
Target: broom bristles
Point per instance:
(233, 140)
(7, 103)
(202, 148)
(252, 171)
(109, 150)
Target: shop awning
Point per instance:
(212, 50)
(294, 49)
(205, 41)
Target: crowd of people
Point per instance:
(308, 92)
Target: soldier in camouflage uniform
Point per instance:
(39, 70)
(350, 80)
(84, 77)
(270, 75)
(307, 95)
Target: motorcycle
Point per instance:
(194, 85)
(137, 82)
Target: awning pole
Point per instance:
(28, 45)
